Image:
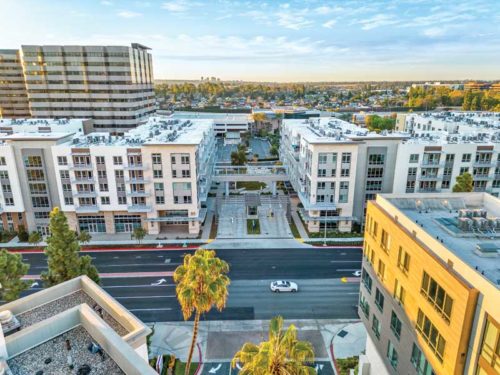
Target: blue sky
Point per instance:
(308, 40)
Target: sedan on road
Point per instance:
(284, 286)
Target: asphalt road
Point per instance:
(317, 271)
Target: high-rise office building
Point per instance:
(113, 85)
(430, 284)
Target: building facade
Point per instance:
(13, 95)
(113, 85)
(429, 286)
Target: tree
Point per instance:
(283, 353)
(259, 116)
(464, 183)
(274, 150)
(63, 253)
(84, 237)
(35, 238)
(202, 283)
(139, 233)
(12, 269)
(22, 234)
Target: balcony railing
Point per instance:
(80, 166)
(139, 208)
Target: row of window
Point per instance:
(434, 158)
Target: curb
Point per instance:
(110, 250)
(200, 362)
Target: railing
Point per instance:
(81, 166)
(139, 208)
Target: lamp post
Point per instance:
(324, 238)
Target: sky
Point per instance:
(272, 40)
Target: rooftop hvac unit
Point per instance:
(480, 212)
(480, 223)
(464, 213)
(465, 224)
(494, 223)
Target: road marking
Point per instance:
(347, 269)
(137, 297)
(158, 309)
(353, 293)
(116, 257)
(345, 261)
(138, 257)
(135, 286)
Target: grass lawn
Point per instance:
(251, 229)
(250, 185)
(294, 229)
(180, 367)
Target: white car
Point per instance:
(284, 286)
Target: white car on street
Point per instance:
(284, 286)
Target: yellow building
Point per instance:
(429, 296)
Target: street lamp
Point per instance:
(326, 217)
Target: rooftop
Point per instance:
(467, 224)
(158, 130)
(333, 130)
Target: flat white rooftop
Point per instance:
(466, 224)
(41, 122)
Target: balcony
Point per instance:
(484, 163)
(138, 193)
(87, 209)
(139, 208)
(83, 180)
(80, 167)
(429, 190)
(432, 164)
(85, 194)
(139, 180)
(430, 177)
(483, 177)
(136, 167)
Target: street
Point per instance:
(322, 295)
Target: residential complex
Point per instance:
(154, 176)
(74, 326)
(430, 284)
(113, 85)
(336, 166)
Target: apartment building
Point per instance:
(113, 85)
(335, 167)
(430, 284)
(26, 169)
(13, 95)
(73, 327)
(155, 176)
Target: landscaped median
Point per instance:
(175, 366)
(253, 226)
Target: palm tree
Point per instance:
(201, 284)
(283, 354)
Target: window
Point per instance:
(464, 170)
(437, 296)
(185, 159)
(99, 160)
(320, 198)
(42, 215)
(6, 188)
(160, 199)
(321, 185)
(431, 335)
(68, 201)
(403, 261)
(120, 187)
(322, 158)
(490, 347)
(126, 223)
(188, 199)
(376, 326)
(62, 160)
(101, 174)
(381, 270)
(321, 172)
(92, 223)
(365, 307)
(445, 184)
(105, 200)
(40, 201)
(35, 175)
(395, 325)
(333, 172)
(117, 160)
(346, 158)
(2, 160)
(447, 171)
(186, 173)
(33, 161)
(158, 173)
(172, 159)
(65, 187)
(103, 187)
(392, 355)
(379, 299)
(385, 240)
(343, 192)
(414, 158)
(449, 158)
(38, 188)
(376, 159)
(420, 363)
(373, 185)
(367, 281)
(412, 171)
(466, 158)
(118, 173)
(9, 201)
(4, 175)
(122, 200)
(375, 172)
(399, 292)
(345, 172)
(156, 159)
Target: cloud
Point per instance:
(106, 3)
(434, 32)
(323, 10)
(129, 14)
(330, 24)
(378, 20)
(293, 21)
(179, 6)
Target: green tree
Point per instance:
(12, 269)
(282, 354)
(202, 283)
(464, 183)
(274, 150)
(84, 237)
(22, 234)
(35, 238)
(139, 233)
(63, 259)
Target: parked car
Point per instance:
(284, 286)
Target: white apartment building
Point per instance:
(155, 176)
(335, 167)
(113, 85)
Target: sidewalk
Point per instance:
(299, 225)
(219, 340)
